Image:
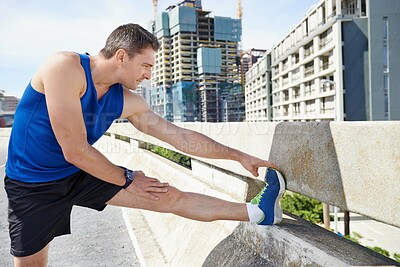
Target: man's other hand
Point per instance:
(144, 186)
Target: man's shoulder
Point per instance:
(64, 58)
(64, 64)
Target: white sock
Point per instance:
(254, 212)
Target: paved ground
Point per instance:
(373, 233)
(97, 239)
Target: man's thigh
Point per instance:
(39, 259)
(38, 212)
(167, 201)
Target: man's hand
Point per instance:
(144, 186)
(252, 164)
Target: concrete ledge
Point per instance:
(352, 165)
(295, 242)
(169, 240)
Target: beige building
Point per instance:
(337, 63)
(258, 90)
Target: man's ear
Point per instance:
(120, 55)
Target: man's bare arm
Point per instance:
(191, 142)
(63, 87)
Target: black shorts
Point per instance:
(38, 212)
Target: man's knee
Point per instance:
(169, 199)
(38, 259)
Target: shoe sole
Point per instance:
(277, 206)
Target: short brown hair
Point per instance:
(130, 37)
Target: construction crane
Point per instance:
(239, 9)
(155, 4)
(240, 48)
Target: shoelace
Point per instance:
(257, 198)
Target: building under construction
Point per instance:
(196, 64)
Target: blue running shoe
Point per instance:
(268, 200)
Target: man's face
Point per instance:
(138, 68)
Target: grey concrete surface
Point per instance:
(97, 239)
(294, 242)
(176, 241)
(350, 165)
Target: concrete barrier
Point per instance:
(313, 156)
(166, 239)
(347, 164)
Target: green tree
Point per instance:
(302, 206)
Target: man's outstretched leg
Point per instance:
(264, 209)
(39, 259)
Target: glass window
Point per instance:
(386, 78)
(386, 106)
(385, 82)
(385, 28)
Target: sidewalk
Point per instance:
(373, 233)
(97, 239)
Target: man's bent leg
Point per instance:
(39, 259)
(189, 205)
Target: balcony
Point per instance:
(308, 52)
(325, 65)
(324, 42)
(309, 71)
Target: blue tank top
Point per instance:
(34, 154)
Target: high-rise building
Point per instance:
(246, 61)
(339, 63)
(144, 90)
(198, 52)
(335, 63)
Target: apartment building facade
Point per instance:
(341, 62)
(8, 105)
(198, 53)
(258, 89)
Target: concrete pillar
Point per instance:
(327, 217)
(302, 89)
(316, 44)
(301, 54)
(338, 7)
(329, 8)
(290, 58)
(302, 108)
(317, 65)
(317, 106)
(338, 75)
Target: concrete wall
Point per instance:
(351, 165)
(339, 163)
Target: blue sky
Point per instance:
(30, 31)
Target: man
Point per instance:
(70, 102)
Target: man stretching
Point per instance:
(68, 105)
